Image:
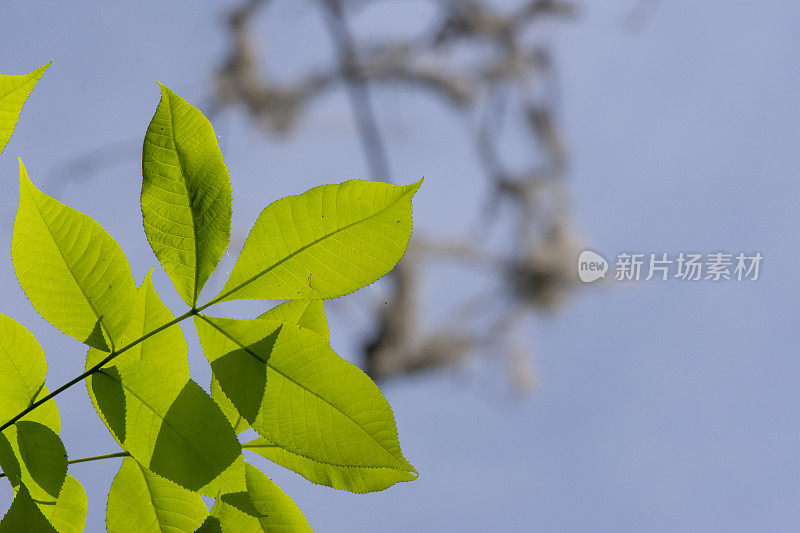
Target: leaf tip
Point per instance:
(37, 72)
(163, 89)
(148, 278)
(24, 179)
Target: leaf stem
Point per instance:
(97, 367)
(87, 459)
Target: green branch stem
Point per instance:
(126, 454)
(93, 458)
(98, 366)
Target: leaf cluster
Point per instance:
(314, 412)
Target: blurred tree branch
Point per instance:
(536, 270)
(522, 240)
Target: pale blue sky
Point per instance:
(661, 406)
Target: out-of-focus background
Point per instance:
(528, 402)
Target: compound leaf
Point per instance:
(14, 90)
(264, 507)
(170, 425)
(186, 194)
(71, 269)
(294, 390)
(324, 243)
(142, 501)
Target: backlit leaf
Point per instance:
(167, 347)
(294, 390)
(170, 425)
(307, 313)
(264, 507)
(22, 368)
(14, 90)
(186, 194)
(68, 514)
(358, 479)
(237, 421)
(25, 515)
(22, 372)
(31, 454)
(71, 269)
(140, 501)
(324, 243)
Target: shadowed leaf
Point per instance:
(264, 507)
(31, 454)
(68, 514)
(172, 426)
(25, 515)
(142, 501)
(327, 420)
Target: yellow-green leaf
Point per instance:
(294, 390)
(167, 347)
(140, 501)
(68, 514)
(73, 272)
(306, 313)
(14, 90)
(31, 454)
(170, 425)
(324, 243)
(186, 194)
(264, 507)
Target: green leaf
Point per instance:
(307, 313)
(142, 501)
(186, 194)
(327, 242)
(22, 368)
(358, 479)
(264, 507)
(170, 425)
(25, 515)
(294, 390)
(31, 454)
(237, 421)
(68, 514)
(167, 347)
(211, 525)
(71, 269)
(14, 90)
(22, 371)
